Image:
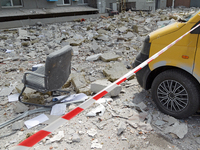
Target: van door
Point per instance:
(196, 71)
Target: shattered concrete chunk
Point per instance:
(171, 120)
(95, 144)
(92, 132)
(59, 136)
(74, 42)
(103, 37)
(159, 122)
(179, 129)
(20, 107)
(115, 71)
(93, 57)
(122, 29)
(6, 91)
(98, 85)
(78, 81)
(110, 56)
(17, 125)
(121, 128)
(97, 111)
(76, 138)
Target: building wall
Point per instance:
(38, 4)
(33, 4)
(92, 3)
(143, 4)
(163, 4)
(177, 3)
(194, 3)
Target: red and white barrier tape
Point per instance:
(34, 139)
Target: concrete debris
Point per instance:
(121, 128)
(103, 50)
(115, 71)
(179, 129)
(78, 81)
(20, 107)
(99, 85)
(110, 56)
(93, 57)
(92, 132)
(95, 144)
(141, 106)
(97, 111)
(76, 138)
(17, 125)
(59, 136)
(6, 91)
(159, 123)
(170, 120)
(122, 29)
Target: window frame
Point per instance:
(63, 4)
(13, 5)
(82, 3)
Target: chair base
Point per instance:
(20, 99)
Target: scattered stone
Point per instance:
(116, 71)
(121, 128)
(93, 57)
(198, 140)
(95, 144)
(76, 138)
(92, 132)
(17, 125)
(6, 91)
(58, 136)
(99, 85)
(71, 107)
(20, 107)
(171, 120)
(110, 56)
(159, 122)
(78, 81)
(179, 129)
(122, 29)
(97, 111)
(141, 106)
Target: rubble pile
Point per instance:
(103, 50)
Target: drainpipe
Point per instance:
(173, 4)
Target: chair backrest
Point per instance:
(58, 68)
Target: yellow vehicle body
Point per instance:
(182, 54)
(174, 76)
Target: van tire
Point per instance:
(176, 93)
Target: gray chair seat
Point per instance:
(36, 82)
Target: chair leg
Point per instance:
(19, 98)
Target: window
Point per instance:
(7, 3)
(82, 1)
(63, 2)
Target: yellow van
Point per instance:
(174, 76)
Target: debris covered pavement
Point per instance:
(103, 49)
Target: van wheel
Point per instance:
(176, 93)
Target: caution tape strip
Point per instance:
(34, 139)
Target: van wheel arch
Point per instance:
(157, 71)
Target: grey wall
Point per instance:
(33, 4)
(194, 3)
(38, 4)
(143, 4)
